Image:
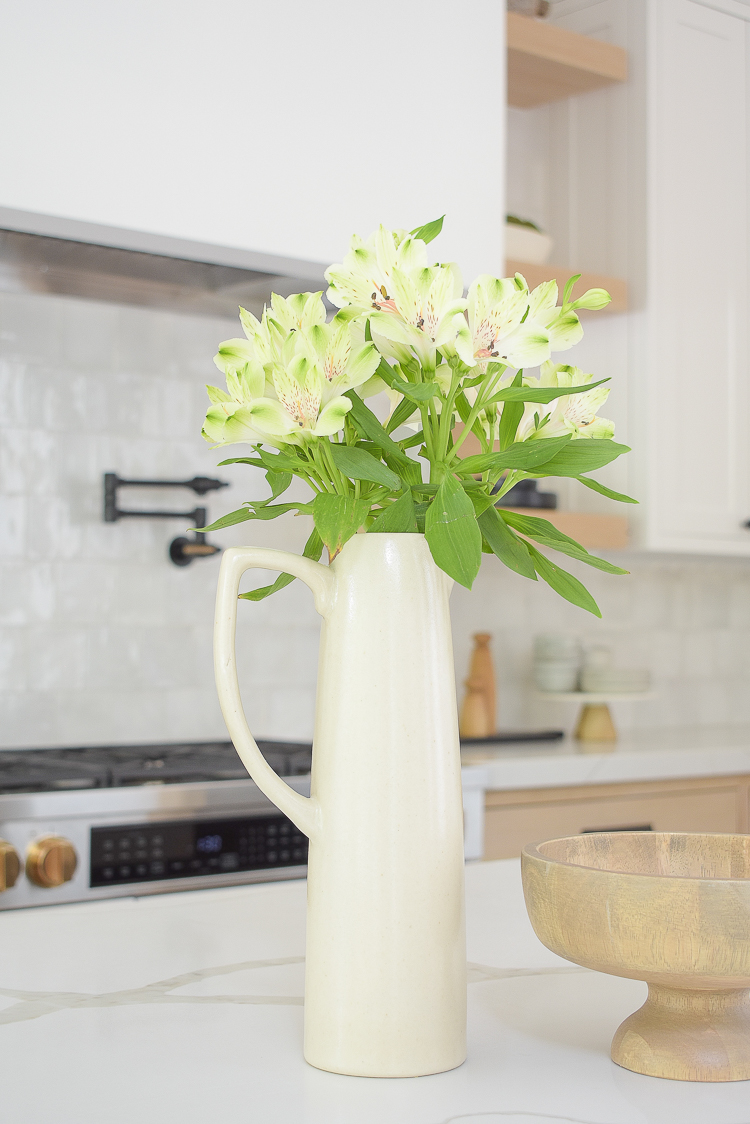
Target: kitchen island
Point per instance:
(186, 1008)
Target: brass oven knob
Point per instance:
(50, 861)
(10, 865)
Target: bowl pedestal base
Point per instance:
(688, 1035)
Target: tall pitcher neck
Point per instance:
(389, 566)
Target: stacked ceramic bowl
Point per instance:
(557, 662)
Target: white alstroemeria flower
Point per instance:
(413, 307)
(425, 313)
(300, 311)
(364, 278)
(343, 356)
(499, 329)
(299, 413)
(574, 414)
(267, 340)
(285, 382)
(563, 327)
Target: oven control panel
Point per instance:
(155, 852)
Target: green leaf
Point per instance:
(239, 516)
(511, 550)
(401, 414)
(604, 491)
(264, 510)
(397, 518)
(563, 583)
(313, 549)
(569, 288)
(521, 454)
(416, 391)
(385, 370)
(278, 482)
(278, 462)
(358, 464)
(532, 525)
(243, 460)
(464, 410)
(584, 455)
(478, 496)
(453, 536)
(510, 418)
(368, 426)
(415, 439)
(337, 518)
(539, 393)
(546, 534)
(429, 231)
(575, 550)
(420, 510)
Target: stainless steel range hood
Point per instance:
(46, 254)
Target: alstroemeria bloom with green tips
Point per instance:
(299, 383)
(574, 414)
(561, 324)
(365, 277)
(286, 381)
(298, 312)
(415, 307)
(343, 355)
(499, 328)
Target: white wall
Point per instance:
(277, 127)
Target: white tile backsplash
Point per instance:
(685, 619)
(103, 640)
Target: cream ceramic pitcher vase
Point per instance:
(385, 985)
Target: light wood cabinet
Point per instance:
(515, 818)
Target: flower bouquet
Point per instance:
(450, 365)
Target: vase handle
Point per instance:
(302, 810)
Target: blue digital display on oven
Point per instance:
(155, 852)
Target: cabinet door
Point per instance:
(508, 828)
(697, 394)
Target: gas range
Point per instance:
(99, 822)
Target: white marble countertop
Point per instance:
(187, 1009)
(637, 756)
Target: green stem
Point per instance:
(484, 393)
(446, 418)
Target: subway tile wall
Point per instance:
(103, 640)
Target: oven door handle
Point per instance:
(302, 810)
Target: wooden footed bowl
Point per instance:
(670, 909)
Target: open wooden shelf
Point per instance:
(548, 63)
(535, 274)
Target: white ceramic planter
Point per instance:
(524, 244)
(385, 989)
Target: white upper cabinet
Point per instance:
(696, 333)
(649, 180)
(278, 128)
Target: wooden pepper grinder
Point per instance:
(478, 713)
